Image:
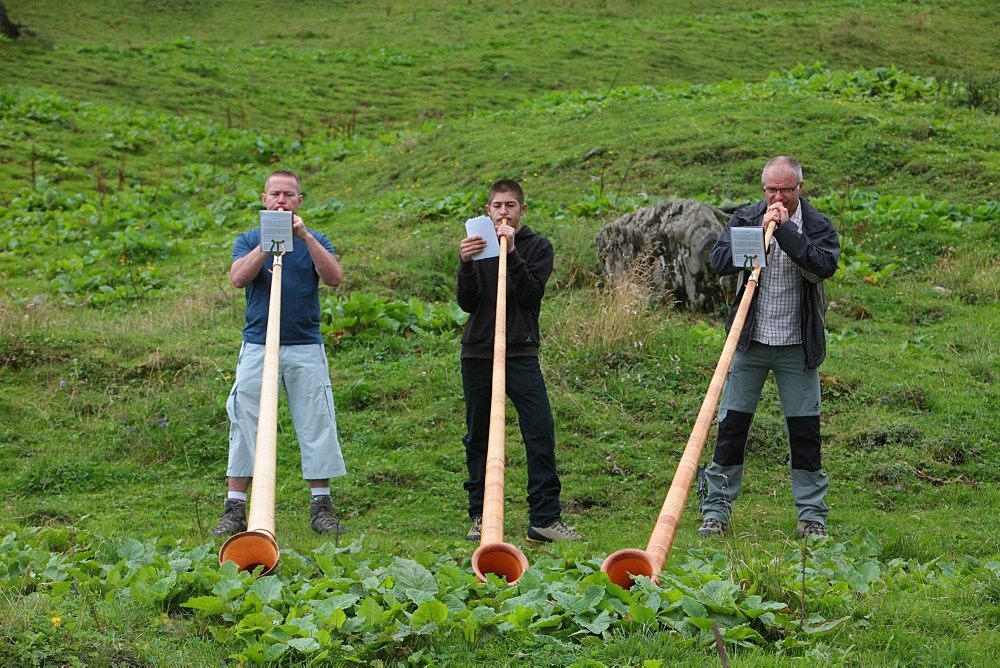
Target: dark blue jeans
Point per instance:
(526, 389)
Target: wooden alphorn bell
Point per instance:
(623, 565)
(493, 555)
(256, 546)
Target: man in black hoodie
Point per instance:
(529, 264)
(783, 334)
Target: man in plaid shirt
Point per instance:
(783, 334)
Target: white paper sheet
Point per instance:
(482, 226)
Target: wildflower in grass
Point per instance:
(56, 621)
(162, 422)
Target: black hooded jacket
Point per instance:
(528, 268)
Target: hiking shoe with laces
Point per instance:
(712, 527)
(323, 520)
(807, 529)
(476, 531)
(233, 520)
(555, 531)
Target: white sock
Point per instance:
(242, 496)
(320, 491)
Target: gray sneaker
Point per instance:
(233, 520)
(712, 527)
(555, 531)
(323, 520)
(807, 529)
(476, 531)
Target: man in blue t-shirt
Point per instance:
(303, 366)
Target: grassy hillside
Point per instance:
(354, 66)
(134, 140)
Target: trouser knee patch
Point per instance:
(805, 442)
(730, 448)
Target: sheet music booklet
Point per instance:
(748, 247)
(276, 231)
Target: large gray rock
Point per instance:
(674, 239)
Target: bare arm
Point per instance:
(245, 269)
(326, 264)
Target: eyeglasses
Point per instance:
(784, 191)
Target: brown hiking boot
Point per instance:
(323, 520)
(233, 520)
(712, 527)
(811, 530)
(476, 531)
(553, 532)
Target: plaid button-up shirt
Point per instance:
(779, 299)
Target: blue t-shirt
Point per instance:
(299, 292)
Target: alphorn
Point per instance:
(493, 555)
(624, 565)
(256, 546)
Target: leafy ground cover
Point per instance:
(133, 149)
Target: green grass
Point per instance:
(133, 145)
